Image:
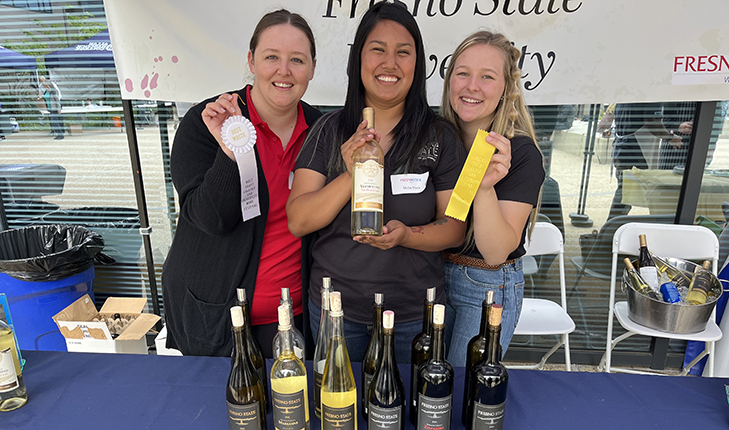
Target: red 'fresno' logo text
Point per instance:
(701, 63)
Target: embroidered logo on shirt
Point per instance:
(429, 152)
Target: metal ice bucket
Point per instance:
(670, 317)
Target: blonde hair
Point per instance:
(512, 118)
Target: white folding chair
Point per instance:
(688, 242)
(545, 317)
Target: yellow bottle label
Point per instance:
(468, 182)
(368, 186)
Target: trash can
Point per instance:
(43, 270)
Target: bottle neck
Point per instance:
(388, 353)
(241, 350)
(494, 351)
(377, 320)
(337, 325)
(287, 342)
(437, 345)
(246, 316)
(428, 318)
(485, 307)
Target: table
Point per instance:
(118, 391)
(659, 189)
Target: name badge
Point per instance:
(409, 183)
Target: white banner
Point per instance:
(573, 51)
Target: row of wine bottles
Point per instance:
(656, 278)
(383, 399)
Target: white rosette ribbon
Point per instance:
(239, 136)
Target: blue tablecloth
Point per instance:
(132, 392)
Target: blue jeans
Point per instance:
(358, 335)
(466, 289)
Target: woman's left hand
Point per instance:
(393, 234)
(500, 162)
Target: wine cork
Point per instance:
(388, 320)
(642, 240)
(283, 318)
(495, 314)
(438, 314)
(236, 314)
(628, 264)
(368, 114)
(335, 301)
(285, 295)
(707, 265)
(379, 298)
(431, 294)
(241, 292)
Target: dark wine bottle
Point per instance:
(489, 380)
(647, 268)
(421, 351)
(374, 349)
(435, 382)
(476, 351)
(386, 400)
(244, 392)
(256, 356)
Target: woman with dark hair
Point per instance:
(482, 90)
(216, 249)
(386, 72)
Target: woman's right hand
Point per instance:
(358, 139)
(215, 114)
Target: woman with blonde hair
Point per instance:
(482, 91)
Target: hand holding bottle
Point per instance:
(361, 136)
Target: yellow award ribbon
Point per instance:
(477, 161)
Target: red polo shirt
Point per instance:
(280, 264)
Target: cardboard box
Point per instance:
(82, 334)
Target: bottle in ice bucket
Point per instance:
(637, 282)
(647, 268)
(700, 285)
(678, 277)
(670, 293)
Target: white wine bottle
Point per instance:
(256, 356)
(368, 184)
(289, 394)
(435, 381)
(647, 269)
(489, 381)
(386, 397)
(12, 388)
(244, 391)
(638, 283)
(420, 352)
(322, 343)
(338, 389)
(700, 285)
(374, 349)
(299, 343)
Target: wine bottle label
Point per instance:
(650, 276)
(337, 418)
(8, 377)
(384, 418)
(434, 413)
(488, 417)
(317, 391)
(244, 417)
(368, 186)
(288, 411)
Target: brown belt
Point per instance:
(478, 263)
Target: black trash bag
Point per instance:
(48, 252)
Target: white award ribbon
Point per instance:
(239, 136)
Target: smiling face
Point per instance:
(388, 64)
(477, 84)
(282, 67)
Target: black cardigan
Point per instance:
(213, 251)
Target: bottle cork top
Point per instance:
(379, 298)
(438, 314)
(326, 283)
(283, 318)
(388, 319)
(495, 315)
(642, 240)
(628, 264)
(707, 265)
(490, 296)
(285, 295)
(368, 114)
(335, 300)
(241, 293)
(236, 314)
(431, 294)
